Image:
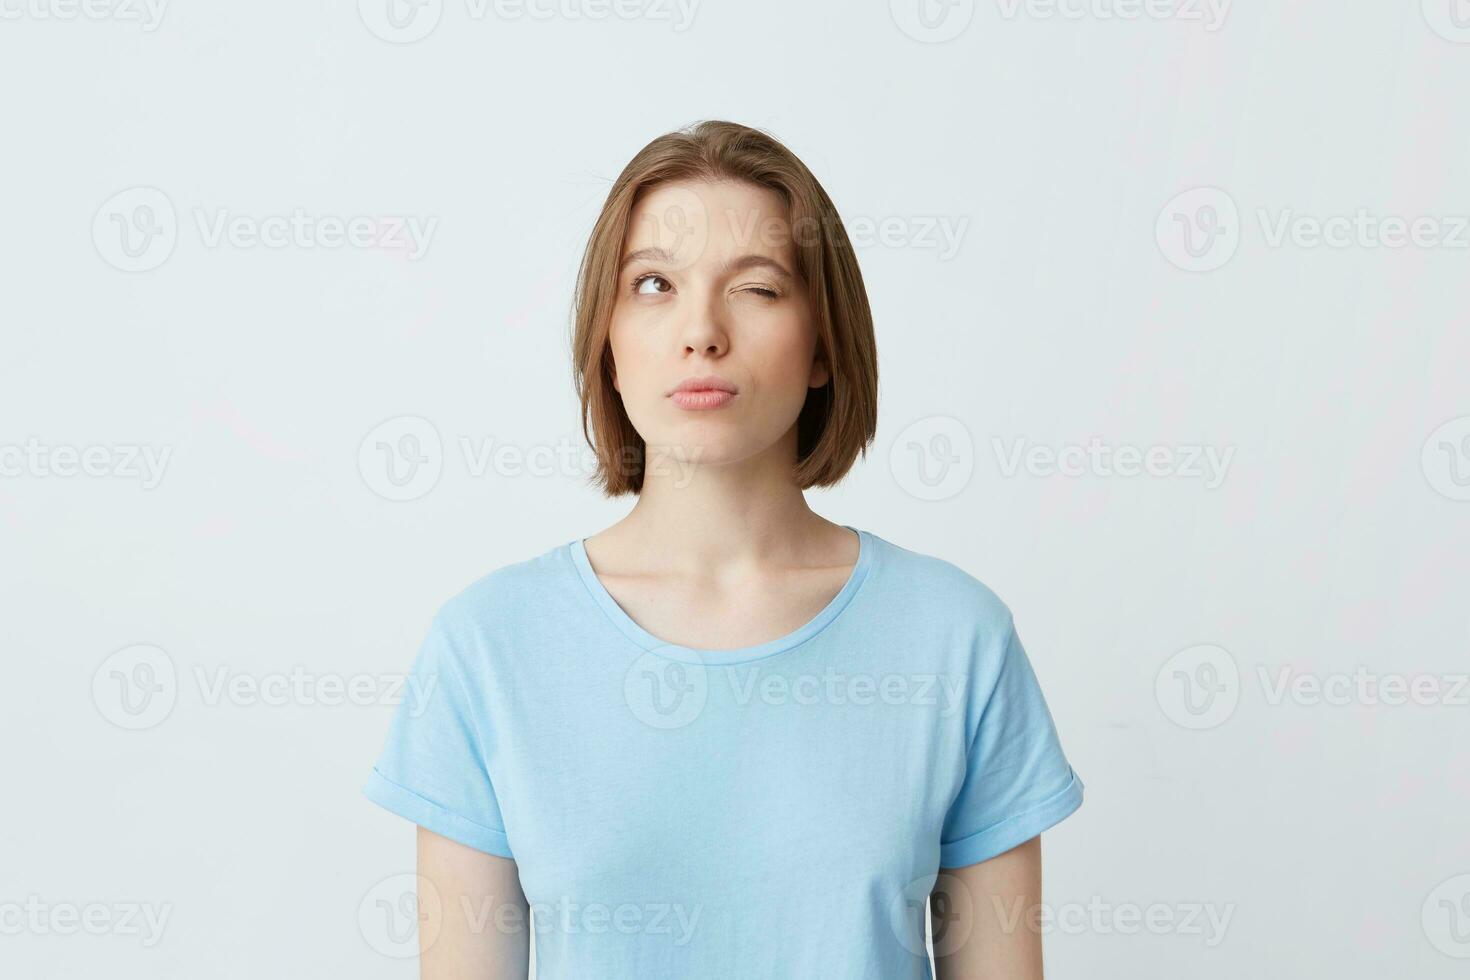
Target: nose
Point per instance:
(704, 331)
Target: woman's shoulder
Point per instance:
(508, 591)
(936, 584)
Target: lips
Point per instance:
(706, 392)
(707, 382)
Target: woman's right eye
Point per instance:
(647, 278)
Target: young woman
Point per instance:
(725, 737)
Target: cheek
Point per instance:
(628, 359)
(787, 355)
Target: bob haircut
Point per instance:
(837, 422)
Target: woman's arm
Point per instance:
(984, 920)
(479, 927)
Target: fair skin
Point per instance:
(976, 932)
(721, 549)
(474, 928)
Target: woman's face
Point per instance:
(709, 299)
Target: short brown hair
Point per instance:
(837, 423)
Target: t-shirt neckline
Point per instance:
(694, 655)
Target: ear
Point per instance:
(820, 375)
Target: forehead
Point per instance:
(697, 219)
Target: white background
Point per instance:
(1330, 829)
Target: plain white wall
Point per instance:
(1085, 226)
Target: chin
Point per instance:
(704, 444)
(701, 451)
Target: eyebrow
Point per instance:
(656, 254)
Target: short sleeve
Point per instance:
(432, 768)
(1017, 781)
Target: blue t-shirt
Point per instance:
(780, 810)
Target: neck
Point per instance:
(702, 514)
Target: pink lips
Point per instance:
(702, 393)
